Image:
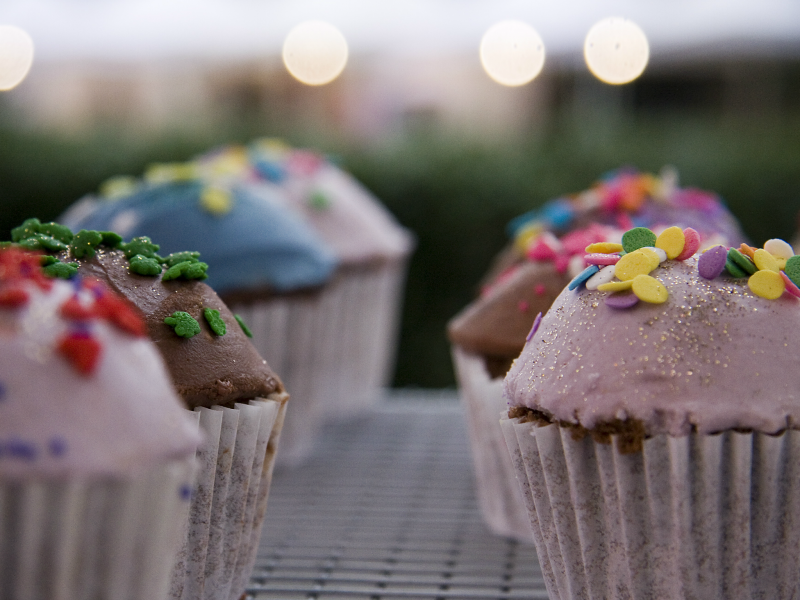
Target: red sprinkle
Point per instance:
(82, 351)
(13, 297)
(540, 289)
(541, 251)
(73, 309)
(121, 314)
(16, 264)
(790, 286)
(691, 244)
(562, 262)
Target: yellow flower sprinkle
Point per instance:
(767, 284)
(615, 286)
(603, 248)
(648, 289)
(671, 241)
(216, 200)
(765, 261)
(635, 263)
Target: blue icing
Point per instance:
(257, 243)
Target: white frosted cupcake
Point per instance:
(653, 426)
(96, 450)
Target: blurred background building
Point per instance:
(118, 84)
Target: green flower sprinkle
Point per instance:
(111, 239)
(141, 265)
(84, 242)
(318, 201)
(62, 270)
(244, 327)
(140, 245)
(47, 259)
(28, 228)
(186, 270)
(60, 232)
(179, 257)
(183, 323)
(214, 321)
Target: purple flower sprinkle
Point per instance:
(622, 300)
(536, 323)
(185, 492)
(17, 448)
(712, 262)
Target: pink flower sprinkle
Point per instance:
(540, 289)
(523, 306)
(601, 259)
(790, 286)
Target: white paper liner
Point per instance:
(334, 350)
(229, 500)
(702, 516)
(104, 538)
(499, 498)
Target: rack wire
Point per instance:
(386, 510)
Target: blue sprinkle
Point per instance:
(583, 276)
(186, 492)
(536, 322)
(558, 213)
(270, 171)
(77, 282)
(57, 446)
(20, 449)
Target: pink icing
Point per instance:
(713, 357)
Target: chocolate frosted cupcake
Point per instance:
(653, 425)
(96, 451)
(239, 401)
(550, 246)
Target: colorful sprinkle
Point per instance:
(635, 263)
(601, 259)
(792, 269)
(672, 241)
(765, 261)
(214, 321)
(184, 324)
(57, 446)
(649, 289)
(536, 322)
(244, 327)
(616, 286)
(82, 351)
(767, 284)
(779, 248)
(790, 286)
(583, 276)
(142, 265)
(748, 251)
(744, 263)
(186, 270)
(691, 244)
(13, 297)
(216, 200)
(523, 306)
(604, 275)
(61, 270)
(179, 257)
(84, 242)
(140, 245)
(318, 200)
(622, 300)
(661, 255)
(712, 262)
(540, 289)
(638, 237)
(603, 248)
(734, 270)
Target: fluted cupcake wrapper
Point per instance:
(229, 500)
(499, 498)
(99, 538)
(694, 517)
(333, 349)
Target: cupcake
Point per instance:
(653, 425)
(239, 402)
(549, 248)
(257, 251)
(354, 350)
(96, 451)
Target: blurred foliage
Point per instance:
(456, 194)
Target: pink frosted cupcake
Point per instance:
(653, 426)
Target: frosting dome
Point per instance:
(82, 391)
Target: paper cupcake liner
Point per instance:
(499, 498)
(229, 500)
(105, 538)
(333, 349)
(696, 517)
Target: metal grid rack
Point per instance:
(386, 510)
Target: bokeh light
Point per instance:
(16, 56)
(315, 52)
(512, 53)
(616, 50)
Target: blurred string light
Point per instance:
(616, 50)
(512, 53)
(315, 52)
(16, 56)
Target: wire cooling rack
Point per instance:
(386, 510)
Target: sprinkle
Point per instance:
(616, 286)
(779, 248)
(601, 259)
(74, 310)
(142, 265)
(583, 276)
(186, 270)
(57, 446)
(17, 448)
(691, 244)
(622, 300)
(61, 270)
(140, 245)
(541, 250)
(81, 350)
(734, 270)
(781, 262)
(111, 239)
(523, 306)
(672, 241)
(29, 227)
(660, 254)
(741, 261)
(183, 323)
(712, 262)
(603, 248)
(179, 257)
(605, 275)
(214, 321)
(765, 261)
(118, 312)
(748, 251)
(649, 289)
(244, 327)
(792, 269)
(318, 200)
(536, 322)
(767, 284)
(84, 242)
(790, 286)
(540, 289)
(185, 492)
(216, 200)
(638, 237)
(635, 263)
(13, 297)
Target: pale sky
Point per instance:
(145, 29)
